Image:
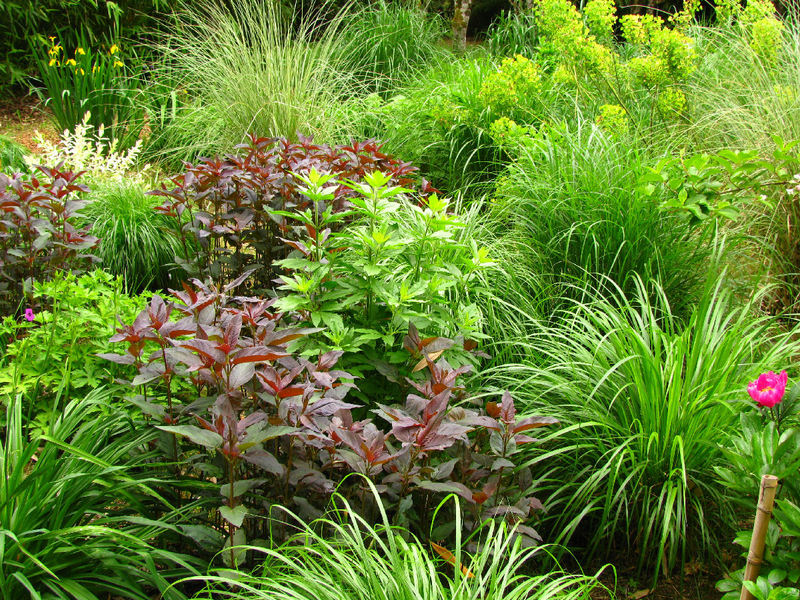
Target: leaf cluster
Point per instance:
(38, 231)
(277, 427)
(226, 206)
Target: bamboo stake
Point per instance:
(766, 498)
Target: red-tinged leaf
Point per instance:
(470, 345)
(493, 409)
(436, 344)
(205, 348)
(529, 531)
(427, 341)
(329, 359)
(279, 338)
(122, 359)
(240, 375)
(233, 329)
(300, 246)
(255, 354)
(508, 411)
(238, 281)
(447, 487)
(185, 326)
(483, 421)
(411, 341)
(533, 422)
(290, 392)
(450, 558)
(263, 459)
(521, 438)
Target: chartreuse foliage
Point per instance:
(646, 400)
(344, 556)
(78, 519)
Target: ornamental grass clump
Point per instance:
(250, 66)
(648, 401)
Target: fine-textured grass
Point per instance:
(250, 67)
(386, 42)
(512, 33)
(134, 239)
(73, 513)
(346, 557)
(571, 200)
(12, 156)
(645, 400)
(739, 100)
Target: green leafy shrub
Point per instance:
(79, 518)
(779, 575)
(54, 356)
(648, 401)
(135, 240)
(394, 261)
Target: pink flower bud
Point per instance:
(29, 316)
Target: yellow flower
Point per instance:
(81, 70)
(52, 39)
(114, 49)
(118, 63)
(52, 62)
(54, 50)
(71, 62)
(94, 69)
(80, 51)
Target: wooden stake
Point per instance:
(766, 498)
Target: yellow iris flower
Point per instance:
(118, 63)
(71, 62)
(80, 51)
(114, 49)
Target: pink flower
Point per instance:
(29, 316)
(768, 389)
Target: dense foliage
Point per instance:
(296, 369)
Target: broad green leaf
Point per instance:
(209, 439)
(235, 516)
